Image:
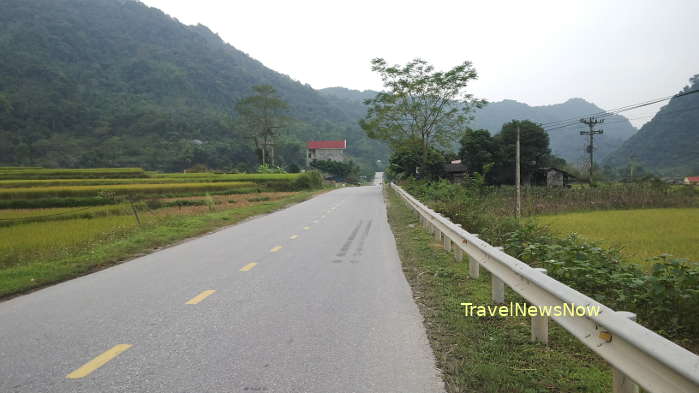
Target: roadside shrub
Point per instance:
(309, 180)
(665, 300)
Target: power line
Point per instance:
(573, 121)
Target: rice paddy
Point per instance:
(640, 234)
(56, 224)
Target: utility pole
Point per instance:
(591, 123)
(517, 177)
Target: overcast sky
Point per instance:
(610, 52)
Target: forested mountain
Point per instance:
(116, 83)
(566, 142)
(669, 143)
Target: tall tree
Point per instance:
(261, 117)
(420, 103)
(478, 150)
(534, 149)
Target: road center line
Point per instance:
(275, 249)
(306, 228)
(200, 297)
(294, 237)
(248, 267)
(98, 362)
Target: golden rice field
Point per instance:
(20, 244)
(640, 234)
(156, 178)
(81, 191)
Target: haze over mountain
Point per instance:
(116, 83)
(566, 142)
(669, 143)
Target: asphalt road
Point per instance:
(308, 299)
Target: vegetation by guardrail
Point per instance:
(638, 355)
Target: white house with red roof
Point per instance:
(691, 180)
(326, 150)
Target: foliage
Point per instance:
(478, 151)
(309, 180)
(109, 83)
(346, 171)
(599, 273)
(260, 118)
(668, 143)
(663, 300)
(269, 169)
(485, 354)
(565, 142)
(420, 103)
(410, 159)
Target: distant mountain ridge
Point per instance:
(117, 83)
(567, 142)
(667, 145)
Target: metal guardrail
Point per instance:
(638, 356)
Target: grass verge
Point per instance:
(105, 252)
(485, 354)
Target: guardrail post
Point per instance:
(622, 383)
(497, 287)
(458, 254)
(540, 324)
(473, 265)
(437, 234)
(447, 243)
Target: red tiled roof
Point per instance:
(693, 179)
(327, 144)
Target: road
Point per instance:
(308, 299)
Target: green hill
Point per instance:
(668, 144)
(105, 83)
(565, 142)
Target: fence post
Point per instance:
(540, 324)
(447, 243)
(473, 266)
(497, 287)
(621, 383)
(437, 234)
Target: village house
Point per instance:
(691, 180)
(326, 150)
(551, 177)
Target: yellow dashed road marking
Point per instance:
(275, 249)
(98, 362)
(201, 297)
(294, 237)
(306, 228)
(248, 267)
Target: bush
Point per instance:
(309, 180)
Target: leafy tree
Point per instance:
(420, 104)
(534, 150)
(348, 171)
(479, 151)
(412, 159)
(261, 117)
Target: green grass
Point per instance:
(641, 234)
(39, 254)
(480, 354)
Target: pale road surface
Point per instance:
(325, 308)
